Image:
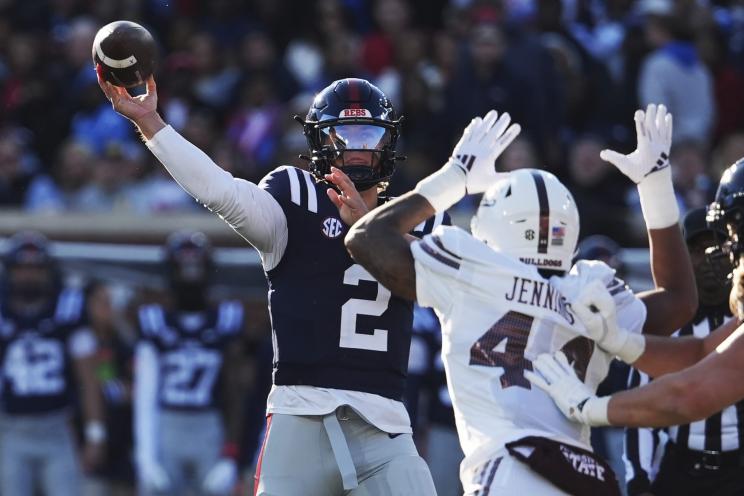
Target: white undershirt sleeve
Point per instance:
(145, 403)
(248, 209)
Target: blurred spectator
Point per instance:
(114, 370)
(673, 73)
(16, 170)
(519, 155)
(691, 184)
(599, 191)
(65, 190)
(254, 126)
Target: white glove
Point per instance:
(472, 167)
(596, 309)
(648, 166)
(153, 477)
(479, 147)
(222, 477)
(554, 375)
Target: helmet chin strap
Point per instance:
(361, 175)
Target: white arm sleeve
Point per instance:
(248, 209)
(145, 403)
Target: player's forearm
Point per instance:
(666, 355)
(675, 301)
(665, 401)
(379, 242)
(247, 208)
(150, 124)
(91, 392)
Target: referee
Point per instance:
(705, 457)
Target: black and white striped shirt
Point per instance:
(722, 431)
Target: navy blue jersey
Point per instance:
(37, 365)
(190, 348)
(334, 325)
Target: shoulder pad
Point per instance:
(290, 185)
(455, 247)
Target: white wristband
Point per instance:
(95, 432)
(658, 202)
(594, 411)
(632, 349)
(444, 188)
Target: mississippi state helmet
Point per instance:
(532, 216)
(188, 257)
(352, 115)
(726, 213)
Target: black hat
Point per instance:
(694, 223)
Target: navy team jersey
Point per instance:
(190, 348)
(334, 325)
(37, 365)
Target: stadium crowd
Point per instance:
(232, 74)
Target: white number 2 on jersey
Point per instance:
(35, 367)
(350, 338)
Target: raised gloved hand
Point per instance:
(648, 166)
(553, 374)
(596, 309)
(480, 145)
(472, 167)
(221, 478)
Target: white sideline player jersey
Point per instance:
(497, 315)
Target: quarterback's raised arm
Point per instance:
(248, 209)
(673, 302)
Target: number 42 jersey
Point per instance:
(498, 314)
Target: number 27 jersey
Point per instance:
(498, 314)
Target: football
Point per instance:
(126, 52)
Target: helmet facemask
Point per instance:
(352, 126)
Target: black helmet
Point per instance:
(188, 256)
(352, 115)
(728, 210)
(28, 248)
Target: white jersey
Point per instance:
(497, 315)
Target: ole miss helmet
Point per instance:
(352, 115)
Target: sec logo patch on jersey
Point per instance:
(332, 227)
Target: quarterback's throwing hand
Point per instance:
(131, 107)
(654, 134)
(554, 375)
(480, 145)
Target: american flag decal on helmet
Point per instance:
(559, 232)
